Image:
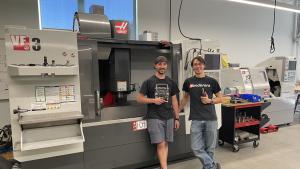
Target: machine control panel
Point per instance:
(289, 73)
(246, 79)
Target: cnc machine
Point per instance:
(73, 96)
(281, 73)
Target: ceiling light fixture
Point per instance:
(269, 4)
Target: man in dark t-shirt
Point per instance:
(162, 108)
(200, 89)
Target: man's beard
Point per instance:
(161, 71)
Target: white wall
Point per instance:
(22, 13)
(154, 15)
(4, 113)
(19, 12)
(243, 31)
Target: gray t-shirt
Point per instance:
(155, 88)
(195, 86)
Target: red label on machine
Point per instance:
(20, 42)
(139, 125)
(121, 27)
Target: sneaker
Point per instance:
(218, 166)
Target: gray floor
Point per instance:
(279, 150)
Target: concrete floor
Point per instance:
(279, 150)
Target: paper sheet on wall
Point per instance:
(52, 94)
(67, 93)
(38, 106)
(40, 94)
(3, 66)
(55, 94)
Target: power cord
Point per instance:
(200, 41)
(186, 64)
(196, 52)
(272, 47)
(178, 22)
(179, 27)
(200, 49)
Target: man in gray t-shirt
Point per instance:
(159, 93)
(200, 89)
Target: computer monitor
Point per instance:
(212, 61)
(292, 65)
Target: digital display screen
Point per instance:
(292, 65)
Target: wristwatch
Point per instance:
(176, 119)
(211, 101)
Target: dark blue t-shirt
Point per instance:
(194, 86)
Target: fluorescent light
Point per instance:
(269, 4)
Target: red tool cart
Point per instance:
(240, 124)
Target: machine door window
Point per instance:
(274, 82)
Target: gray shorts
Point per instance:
(160, 130)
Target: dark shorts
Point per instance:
(160, 130)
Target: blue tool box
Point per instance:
(251, 97)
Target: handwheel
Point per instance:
(255, 144)
(235, 148)
(221, 142)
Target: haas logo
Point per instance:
(22, 42)
(121, 27)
